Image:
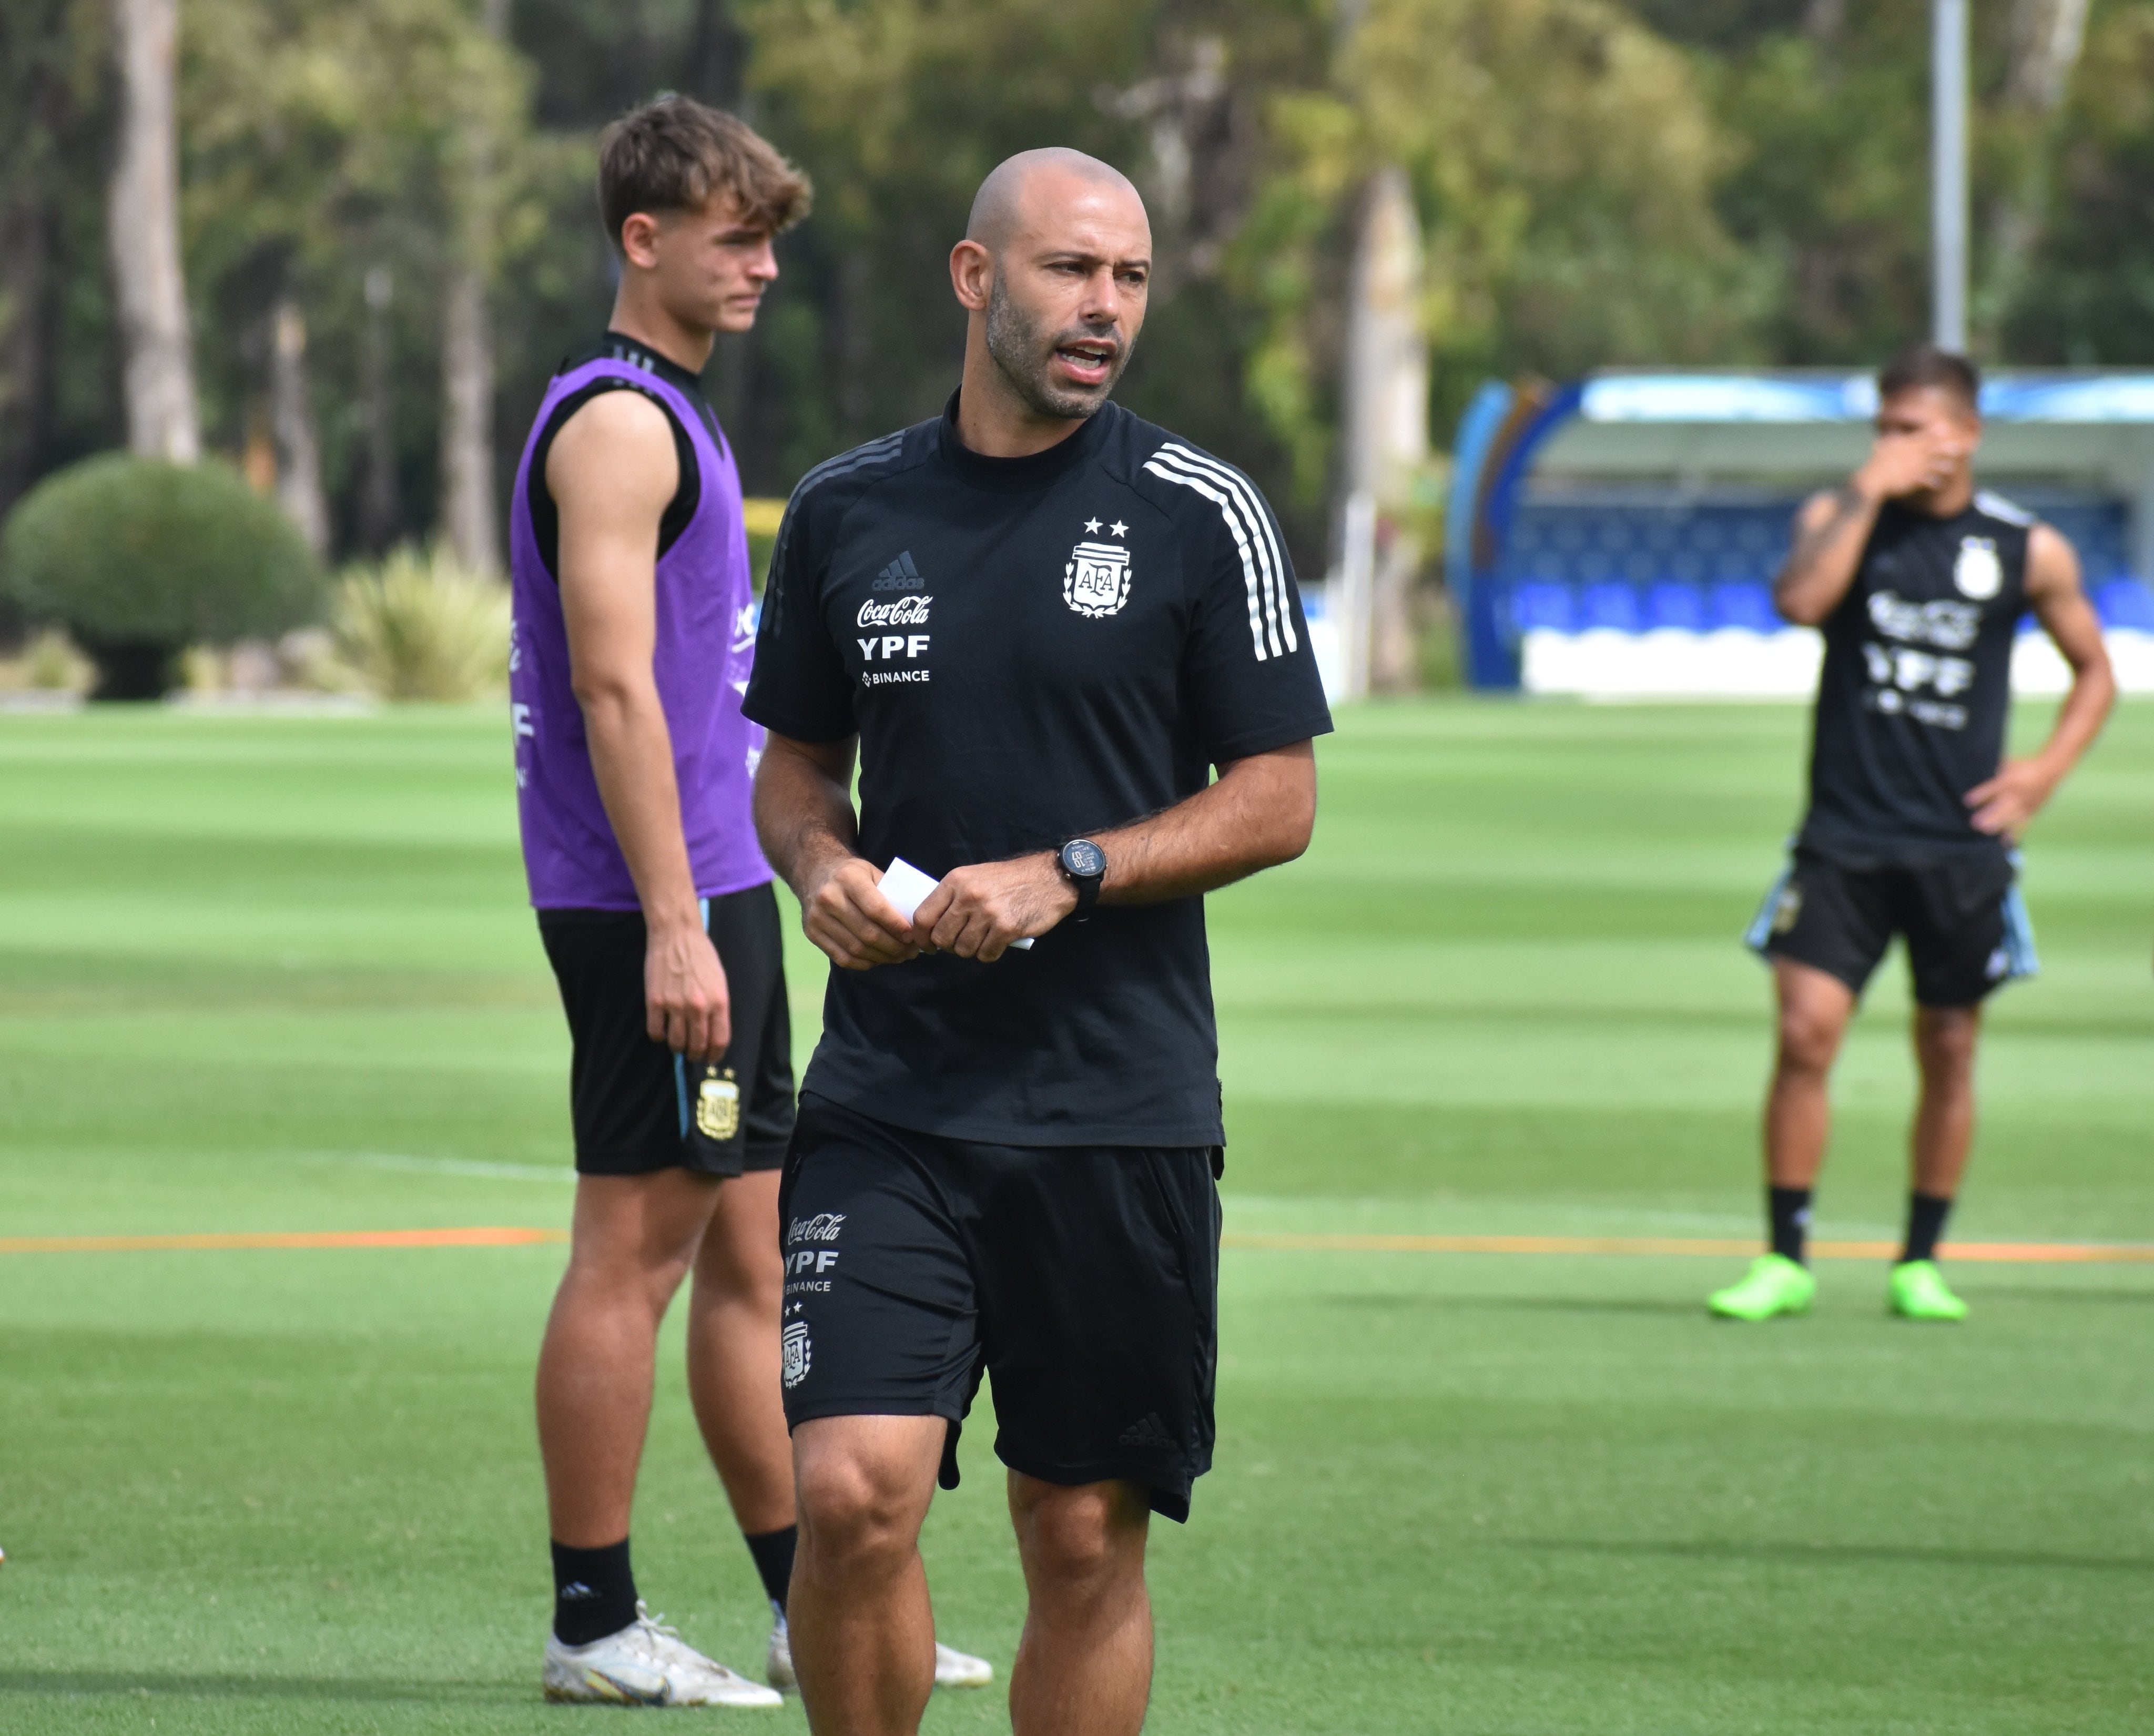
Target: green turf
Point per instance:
(261, 973)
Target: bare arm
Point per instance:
(1260, 813)
(2004, 803)
(1829, 532)
(803, 816)
(611, 472)
(1832, 527)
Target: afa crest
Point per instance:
(718, 1106)
(798, 1353)
(1978, 572)
(1096, 582)
(1788, 910)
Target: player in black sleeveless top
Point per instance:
(1918, 582)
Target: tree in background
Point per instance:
(53, 54)
(143, 223)
(2088, 292)
(328, 146)
(898, 109)
(469, 514)
(1661, 180)
(2043, 49)
(292, 422)
(1565, 163)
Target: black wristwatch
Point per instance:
(1084, 865)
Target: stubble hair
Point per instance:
(1023, 353)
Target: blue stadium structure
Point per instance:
(1618, 536)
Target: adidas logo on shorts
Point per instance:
(1147, 1431)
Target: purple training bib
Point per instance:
(705, 645)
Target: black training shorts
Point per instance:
(1965, 924)
(1084, 1278)
(636, 1106)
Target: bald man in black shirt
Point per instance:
(1040, 622)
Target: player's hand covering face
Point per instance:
(1924, 438)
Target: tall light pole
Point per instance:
(1948, 200)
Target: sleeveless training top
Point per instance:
(705, 645)
(1917, 682)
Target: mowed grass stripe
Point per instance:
(1648, 1247)
(481, 1236)
(245, 963)
(2034, 1253)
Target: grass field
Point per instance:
(264, 975)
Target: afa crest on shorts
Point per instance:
(797, 1355)
(718, 1106)
(1096, 582)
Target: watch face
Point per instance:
(1084, 859)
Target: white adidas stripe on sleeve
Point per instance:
(1271, 562)
(1250, 579)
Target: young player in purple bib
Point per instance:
(634, 629)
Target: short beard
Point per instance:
(1023, 357)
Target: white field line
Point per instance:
(473, 1167)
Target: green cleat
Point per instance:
(1918, 1293)
(1774, 1285)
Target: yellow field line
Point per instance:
(490, 1237)
(2025, 1253)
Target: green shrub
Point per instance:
(137, 558)
(50, 663)
(419, 626)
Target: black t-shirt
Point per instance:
(1032, 649)
(1916, 686)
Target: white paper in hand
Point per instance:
(907, 887)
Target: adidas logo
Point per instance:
(576, 1591)
(900, 575)
(1147, 1431)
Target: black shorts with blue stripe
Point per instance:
(637, 1107)
(1960, 912)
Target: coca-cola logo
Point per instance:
(905, 612)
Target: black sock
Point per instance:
(1925, 1222)
(774, 1560)
(593, 1593)
(1788, 1209)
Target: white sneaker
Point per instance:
(777, 1660)
(959, 1669)
(953, 1668)
(646, 1664)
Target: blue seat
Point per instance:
(1680, 606)
(2126, 603)
(1610, 605)
(1539, 604)
(1699, 565)
(1745, 604)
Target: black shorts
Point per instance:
(1084, 1278)
(636, 1106)
(1965, 923)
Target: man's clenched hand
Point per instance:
(976, 912)
(846, 915)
